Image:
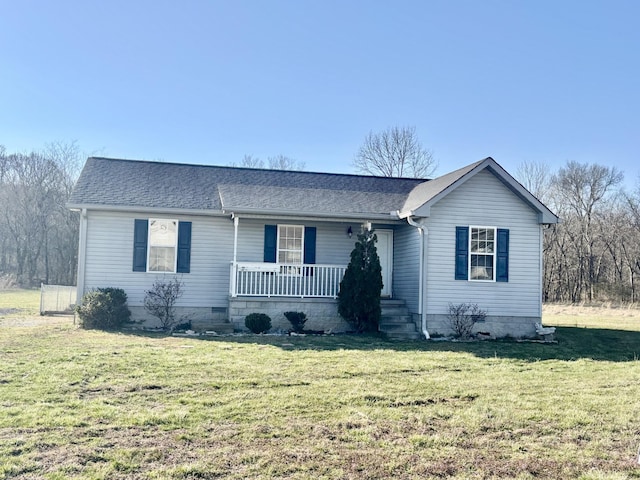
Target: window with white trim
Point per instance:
(163, 241)
(290, 248)
(482, 253)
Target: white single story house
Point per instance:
(248, 240)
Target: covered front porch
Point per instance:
(260, 279)
(299, 259)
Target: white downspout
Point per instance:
(541, 273)
(234, 265)
(422, 311)
(82, 256)
(236, 221)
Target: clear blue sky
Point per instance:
(209, 81)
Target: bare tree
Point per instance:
(394, 152)
(248, 161)
(535, 177)
(278, 162)
(281, 162)
(583, 192)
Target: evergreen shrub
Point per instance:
(104, 309)
(258, 322)
(359, 296)
(297, 320)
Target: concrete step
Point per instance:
(395, 319)
(206, 325)
(392, 302)
(394, 311)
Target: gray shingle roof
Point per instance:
(130, 184)
(108, 182)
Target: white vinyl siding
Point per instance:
(406, 266)
(110, 256)
(521, 295)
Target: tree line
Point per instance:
(593, 255)
(38, 233)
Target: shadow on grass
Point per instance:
(573, 344)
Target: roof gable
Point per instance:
(424, 196)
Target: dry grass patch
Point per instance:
(613, 317)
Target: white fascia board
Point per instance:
(151, 210)
(325, 217)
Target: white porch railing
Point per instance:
(285, 280)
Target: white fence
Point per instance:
(57, 298)
(290, 280)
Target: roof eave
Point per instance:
(258, 212)
(139, 208)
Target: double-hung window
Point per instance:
(482, 258)
(290, 248)
(163, 238)
(482, 254)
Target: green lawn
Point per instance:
(89, 404)
(19, 302)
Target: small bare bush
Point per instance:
(160, 302)
(462, 318)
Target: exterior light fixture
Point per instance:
(349, 231)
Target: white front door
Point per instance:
(385, 252)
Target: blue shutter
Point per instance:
(462, 253)
(140, 234)
(270, 240)
(309, 245)
(309, 256)
(502, 260)
(184, 247)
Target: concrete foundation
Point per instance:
(196, 315)
(322, 313)
(496, 326)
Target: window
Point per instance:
(482, 254)
(161, 245)
(482, 258)
(290, 247)
(290, 244)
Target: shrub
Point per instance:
(258, 322)
(104, 309)
(359, 296)
(160, 302)
(183, 326)
(463, 316)
(297, 320)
